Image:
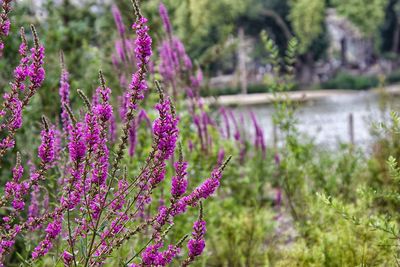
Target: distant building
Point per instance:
(348, 46)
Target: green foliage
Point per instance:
(201, 21)
(393, 77)
(307, 17)
(238, 238)
(368, 15)
(332, 241)
(266, 87)
(349, 81)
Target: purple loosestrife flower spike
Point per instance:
(226, 122)
(167, 65)
(77, 147)
(33, 210)
(153, 257)
(36, 70)
(92, 131)
(104, 110)
(77, 150)
(47, 148)
(203, 191)
(64, 93)
(197, 244)
(236, 134)
(118, 20)
(165, 128)
(36, 75)
(179, 181)
(259, 135)
(165, 19)
(12, 103)
(166, 132)
(132, 137)
(21, 72)
(4, 23)
(52, 231)
(14, 189)
(67, 258)
(104, 113)
(15, 107)
(138, 85)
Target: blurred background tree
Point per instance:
(308, 21)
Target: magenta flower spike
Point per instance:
(4, 23)
(36, 70)
(165, 18)
(197, 244)
(118, 20)
(64, 93)
(179, 181)
(47, 149)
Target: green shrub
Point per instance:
(393, 77)
(348, 81)
(252, 89)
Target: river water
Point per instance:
(326, 120)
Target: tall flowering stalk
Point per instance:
(30, 67)
(99, 202)
(259, 142)
(16, 190)
(118, 21)
(174, 62)
(197, 243)
(177, 71)
(12, 103)
(64, 92)
(4, 23)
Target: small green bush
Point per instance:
(348, 81)
(393, 77)
(252, 89)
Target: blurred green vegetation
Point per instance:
(348, 81)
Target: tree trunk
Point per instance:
(343, 52)
(396, 37)
(306, 70)
(242, 62)
(279, 21)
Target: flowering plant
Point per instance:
(98, 206)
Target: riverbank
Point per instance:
(297, 96)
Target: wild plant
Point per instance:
(95, 205)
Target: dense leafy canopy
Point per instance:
(307, 17)
(368, 15)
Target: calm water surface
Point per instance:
(327, 120)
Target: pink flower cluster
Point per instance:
(29, 67)
(5, 23)
(64, 93)
(197, 244)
